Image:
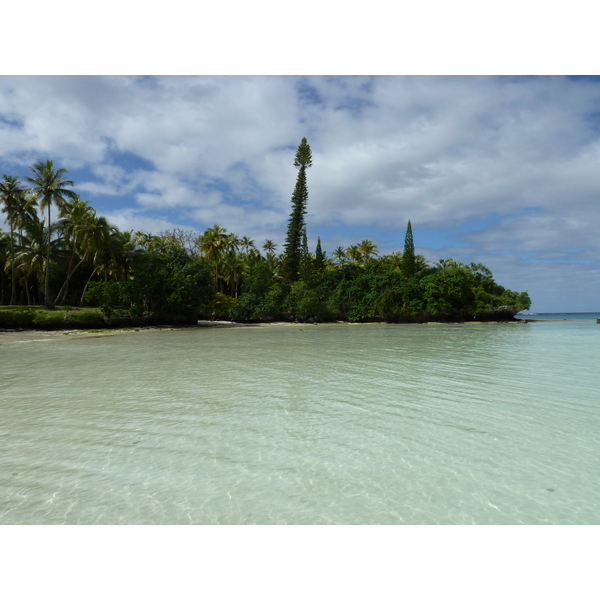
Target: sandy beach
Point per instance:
(37, 335)
(31, 335)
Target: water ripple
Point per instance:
(327, 424)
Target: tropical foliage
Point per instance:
(81, 259)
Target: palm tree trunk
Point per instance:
(65, 286)
(33, 289)
(13, 279)
(29, 302)
(26, 278)
(86, 286)
(47, 300)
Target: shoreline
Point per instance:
(31, 335)
(22, 335)
(557, 320)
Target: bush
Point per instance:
(17, 319)
(219, 307)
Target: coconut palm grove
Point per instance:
(62, 265)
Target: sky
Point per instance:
(499, 170)
(431, 115)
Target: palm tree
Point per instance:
(74, 215)
(211, 244)
(142, 239)
(354, 254)
(339, 256)
(32, 256)
(445, 264)
(367, 249)
(420, 262)
(110, 252)
(162, 244)
(232, 241)
(5, 243)
(232, 268)
(393, 261)
(25, 211)
(98, 243)
(251, 258)
(246, 243)
(26, 219)
(126, 251)
(49, 186)
(11, 194)
(269, 247)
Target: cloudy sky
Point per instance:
(497, 170)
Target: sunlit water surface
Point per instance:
(377, 424)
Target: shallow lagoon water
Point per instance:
(325, 424)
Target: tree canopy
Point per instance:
(185, 274)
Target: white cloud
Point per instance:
(135, 220)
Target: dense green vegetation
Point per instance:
(178, 276)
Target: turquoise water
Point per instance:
(560, 316)
(325, 424)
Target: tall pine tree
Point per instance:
(293, 242)
(320, 258)
(409, 263)
(305, 268)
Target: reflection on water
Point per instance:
(308, 424)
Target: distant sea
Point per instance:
(559, 316)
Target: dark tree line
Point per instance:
(356, 284)
(79, 258)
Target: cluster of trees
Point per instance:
(81, 258)
(356, 284)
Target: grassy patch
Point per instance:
(40, 317)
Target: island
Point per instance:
(81, 272)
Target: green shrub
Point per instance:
(17, 318)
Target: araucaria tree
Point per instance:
(320, 258)
(409, 263)
(293, 242)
